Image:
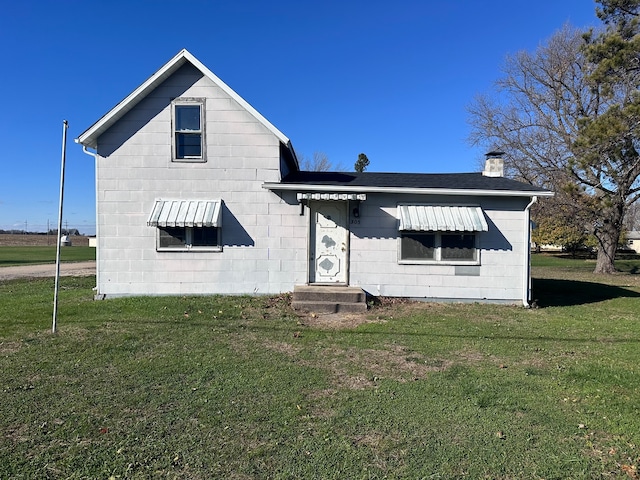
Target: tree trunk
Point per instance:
(608, 234)
(606, 255)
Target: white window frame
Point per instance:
(190, 102)
(437, 254)
(188, 246)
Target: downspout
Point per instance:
(95, 159)
(526, 281)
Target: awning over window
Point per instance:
(186, 213)
(442, 218)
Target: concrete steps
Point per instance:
(329, 299)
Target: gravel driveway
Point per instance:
(73, 269)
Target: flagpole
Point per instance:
(65, 126)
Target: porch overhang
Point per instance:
(336, 189)
(330, 196)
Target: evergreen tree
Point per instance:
(362, 163)
(569, 118)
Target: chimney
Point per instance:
(494, 164)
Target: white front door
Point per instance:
(328, 245)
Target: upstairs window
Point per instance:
(188, 130)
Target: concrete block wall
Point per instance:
(263, 236)
(374, 248)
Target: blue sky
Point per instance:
(390, 79)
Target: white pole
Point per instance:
(65, 126)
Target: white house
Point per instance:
(197, 193)
(633, 240)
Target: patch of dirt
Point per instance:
(335, 321)
(384, 308)
(358, 369)
(8, 348)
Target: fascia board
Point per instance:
(89, 137)
(420, 191)
(243, 103)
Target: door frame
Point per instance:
(313, 208)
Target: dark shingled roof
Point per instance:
(446, 181)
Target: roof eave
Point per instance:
(89, 137)
(405, 190)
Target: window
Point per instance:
(185, 225)
(419, 247)
(188, 238)
(458, 246)
(188, 130)
(440, 233)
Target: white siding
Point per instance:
(374, 254)
(135, 169)
(264, 237)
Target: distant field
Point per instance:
(39, 240)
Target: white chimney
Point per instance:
(494, 165)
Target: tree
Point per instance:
(562, 224)
(362, 163)
(608, 143)
(546, 115)
(318, 163)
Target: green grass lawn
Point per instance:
(29, 255)
(239, 387)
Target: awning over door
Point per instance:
(331, 196)
(442, 218)
(186, 213)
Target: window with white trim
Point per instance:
(188, 130)
(189, 238)
(448, 234)
(438, 247)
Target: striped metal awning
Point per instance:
(442, 218)
(186, 213)
(331, 196)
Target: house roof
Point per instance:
(442, 183)
(89, 137)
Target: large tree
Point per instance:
(609, 143)
(561, 126)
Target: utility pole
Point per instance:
(65, 126)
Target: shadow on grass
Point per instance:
(564, 293)
(17, 263)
